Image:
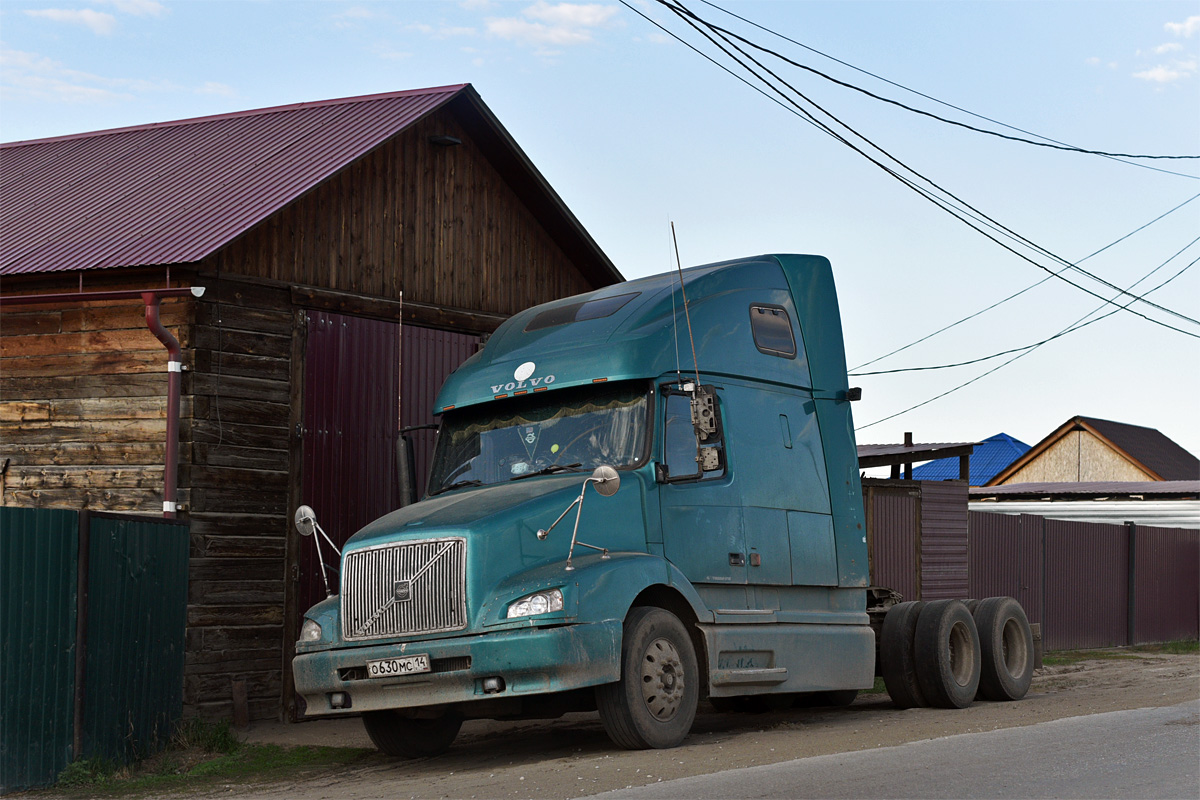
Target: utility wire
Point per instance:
(934, 99)
(688, 17)
(1019, 355)
(684, 13)
(1022, 291)
(1035, 344)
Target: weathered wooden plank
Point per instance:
(25, 323)
(247, 499)
(246, 411)
(256, 480)
(52, 387)
(266, 368)
(107, 363)
(252, 343)
(455, 319)
(347, 303)
(123, 340)
(275, 321)
(229, 569)
(237, 435)
(52, 432)
(265, 709)
(225, 616)
(233, 638)
(248, 546)
(90, 453)
(225, 455)
(94, 409)
(209, 523)
(233, 592)
(22, 477)
(251, 388)
(126, 314)
(260, 683)
(201, 663)
(140, 500)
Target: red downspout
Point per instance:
(174, 384)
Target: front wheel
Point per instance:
(654, 703)
(410, 738)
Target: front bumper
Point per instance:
(530, 660)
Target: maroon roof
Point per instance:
(1089, 488)
(174, 192)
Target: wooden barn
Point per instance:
(351, 253)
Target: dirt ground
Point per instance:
(572, 757)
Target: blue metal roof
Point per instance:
(990, 456)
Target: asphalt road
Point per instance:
(1144, 753)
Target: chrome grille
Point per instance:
(402, 589)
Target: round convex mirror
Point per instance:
(607, 480)
(305, 520)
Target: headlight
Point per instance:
(539, 603)
(310, 631)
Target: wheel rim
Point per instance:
(1015, 653)
(962, 654)
(662, 679)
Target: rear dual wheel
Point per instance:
(946, 648)
(1006, 649)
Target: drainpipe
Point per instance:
(174, 382)
(151, 298)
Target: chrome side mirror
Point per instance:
(607, 481)
(305, 521)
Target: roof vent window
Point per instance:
(578, 312)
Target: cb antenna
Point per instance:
(686, 315)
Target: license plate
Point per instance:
(391, 667)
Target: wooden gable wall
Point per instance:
(438, 223)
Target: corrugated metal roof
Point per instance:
(1149, 446)
(173, 192)
(989, 457)
(1096, 488)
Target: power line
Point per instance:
(934, 99)
(1022, 291)
(687, 16)
(1022, 354)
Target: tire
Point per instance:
(971, 606)
(896, 655)
(653, 705)
(947, 654)
(1006, 649)
(404, 737)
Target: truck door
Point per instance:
(700, 508)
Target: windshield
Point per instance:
(569, 429)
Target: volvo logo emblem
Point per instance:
(402, 590)
(524, 371)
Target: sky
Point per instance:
(634, 131)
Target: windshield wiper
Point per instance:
(550, 469)
(459, 485)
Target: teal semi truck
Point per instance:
(638, 501)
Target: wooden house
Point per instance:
(352, 253)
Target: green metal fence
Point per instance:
(91, 649)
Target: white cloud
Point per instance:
(138, 8)
(1092, 62)
(1186, 28)
(30, 75)
(477, 5)
(220, 89)
(1169, 47)
(552, 24)
(98, 22)
(1167, 74)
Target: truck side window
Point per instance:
(681, 446)
(772, 329)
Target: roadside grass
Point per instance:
(878, 688)
(1060, 658)
(201, 757)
